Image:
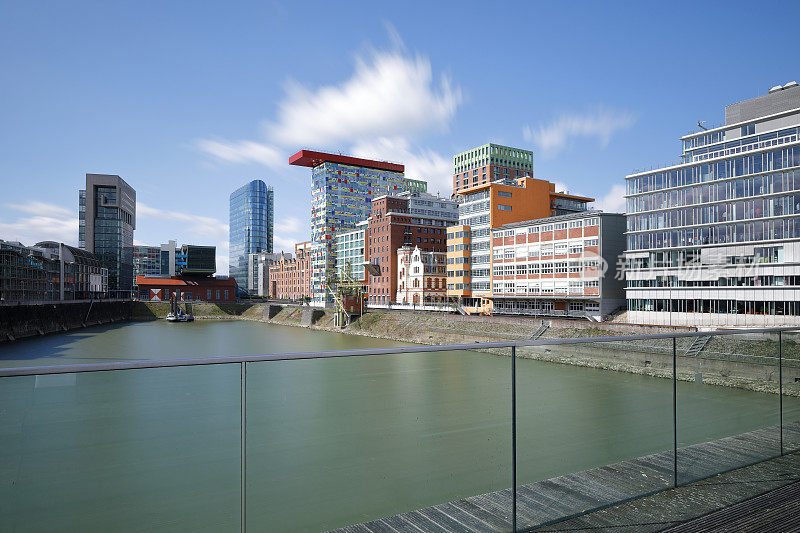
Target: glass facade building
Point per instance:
(714, 240)
(107, 219)
(251, 227)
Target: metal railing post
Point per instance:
(780, 387)
(514, 435)
(243, 442)
(674, 412)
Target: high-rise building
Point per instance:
(107, 219)
(251, 227)
(490, 162)
(714, 239)
(487, 207)
(404, 219)
(342, 189)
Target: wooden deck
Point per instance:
(572, 495)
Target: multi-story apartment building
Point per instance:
(715, 240)
(251, 227)
(350, 248)
(490, 206)
(410, 218)
(490, 162)
(562, 266)
(290, 278)
(342, 189)
(421, 276)
(107, 219)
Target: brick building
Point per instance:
(187, 288)
(410, 218)
(290, 277)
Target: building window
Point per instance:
(504, 194)
(502, 207)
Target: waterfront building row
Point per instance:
(50, 271)
(169, 259)
(187, 288)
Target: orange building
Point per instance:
(484, 208)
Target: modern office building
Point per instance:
(408, 218)
(342, 189)
(290, 277)
(490, 162)
(421, 276)
(559, 266)
(715, 239)
(49, 271)
(351, 248)
(107, 219)
(251, 227)
(487, 207)
(194, 260)
(146, 260)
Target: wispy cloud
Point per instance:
(196, 225)
(49, 222)
(614, 201)
(390, 94)
(288, 231)
(601, 124)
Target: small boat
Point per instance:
(189, 318)
(172, 318)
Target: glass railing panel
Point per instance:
(594, 431)
(126, 450)
(727, 403)
(791, 391)
(343, 441)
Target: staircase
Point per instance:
(461, 310)
(540, 330)
(697, 345)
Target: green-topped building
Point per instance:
(490, 162)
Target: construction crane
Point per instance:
(348, 295)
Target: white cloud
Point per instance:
(49, 223)
(388, 94)
(601, 124)
(244, 152)
(391, 99)
(283, 244)
(422, 164)
(614, 201)
(288, 225)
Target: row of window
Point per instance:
(735, 307)
(740, 232)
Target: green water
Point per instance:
(329, 442)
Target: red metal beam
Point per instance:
(309, 158)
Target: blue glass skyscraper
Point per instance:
(251, 223)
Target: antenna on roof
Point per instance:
(700, 125)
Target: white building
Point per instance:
(421, 276)
(713, 240)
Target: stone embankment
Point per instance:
(22, 321)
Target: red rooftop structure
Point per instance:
(309, 158)
(187, 288)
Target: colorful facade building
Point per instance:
(290, 277)
(487, 207)
(559, 266)
(404, 219)
(187, 289)
(342, 189)
(715, 239)
(490, 162)
(421, 276)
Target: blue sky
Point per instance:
(189, 100)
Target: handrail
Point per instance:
(229, 359)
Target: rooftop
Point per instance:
(309, 158)
(559, 218)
